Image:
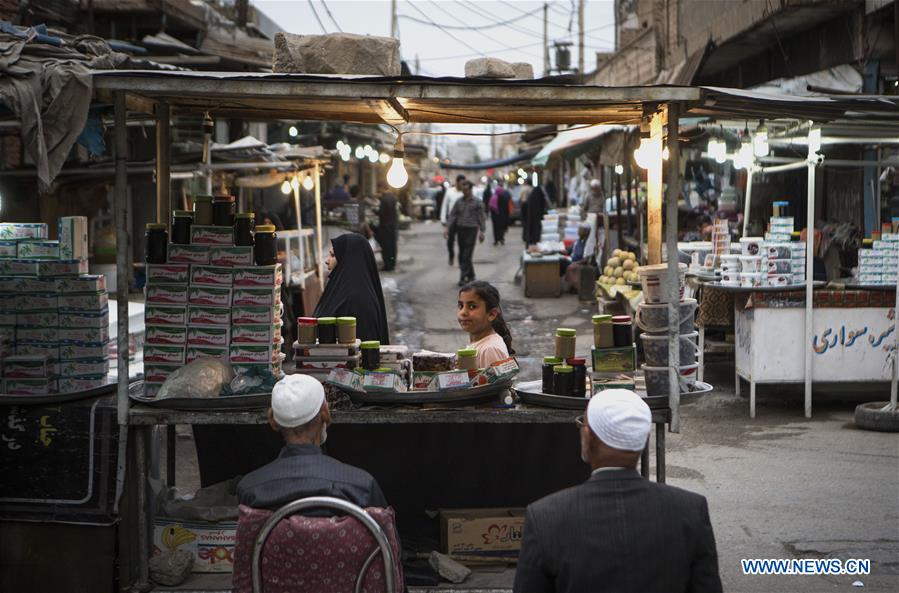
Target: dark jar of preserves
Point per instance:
(371, 355)
(156, 243)
(265, 248)
(327, 330)
(549, 362)
(181, 222)
(580, 376)
(223, 211)
(563, 380)
(243, 228)
(203, 210)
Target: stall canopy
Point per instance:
(574, 142)
(483, 165)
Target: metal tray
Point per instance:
(788, 288)
(529, 392)
(235, 402)
(457, 396)
(59, 398)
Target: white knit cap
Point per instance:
(296, 399)
(620, 419)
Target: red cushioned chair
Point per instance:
(282, 552)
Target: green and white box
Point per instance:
(200, 315)
(256, 334)
(208, 335)
(72, 384)
(88, 283)
(256, 315)
(211, 235)
(38, 348)
(163, 354)
(91, 301)
(172, 335)
(43, 285)
(231, 256)
(36, 334)
(158, 373)
(9, 249)
(19, 267)
(23, 230)
(195, 352)
(256, 297)
(83, 335)
(165, 314)
(80, 368)
(28, 386)
(37, 249)
(211, 296)
(188, 254)
(211, 276)
(94, 319)
(255, 353)
(73, 237)
(168, 273)
(63, 267)
(25, 367)
(257, 276)
(84, 350)
(166, 294)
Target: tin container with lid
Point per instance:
(622, 331)
(306, 327)
(203, 210)
(579, 365)
(602, 331)
(223, 211)
(181, 222)
(243, 228)
(563, 380)
(327, 330)
(156, 243)
(371, 355)
(566, 341)
(467, 359)
(265, 247)
(346, 330)
(548, 363)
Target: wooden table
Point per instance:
(541, 275)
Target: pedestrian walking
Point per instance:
(499, 205)
(449, 200)
(536, 207)
(617, 531)
(468, 219)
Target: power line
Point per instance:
(331, 16)
(474, 49)
(458, 20)
(320, 23)
(606, 26)
(463, 27)
(459, 56)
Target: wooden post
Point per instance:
(163, 170)
(318, 226)
(123, 257)
(654, 196)
(673, 287)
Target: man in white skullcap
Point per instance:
(617, 531)
(300, 413)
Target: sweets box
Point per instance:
(19, 267)
(23, 230)
(83, 350)
(201, 315)
(28, 386)
(37, 249)
(165, 314)
(63, 267)
(48, 318)
(231, 256)
(195, 352)
(255, 297)
(96, 301)
(256, 315)
(96, 319)
(173, 335)
(158, 373)
(25, 367)
(188, 254)
(211, 276)
(213, 335)
(614, 360)
(163, 354)
(211, 235)
(34, 301)
(73, 237)
(85, 367)
(83, 383)
(269, 333)
(86, 283)
(255, 352)
(38, 348)
(168, 273)
(241, 368)
(8, 248)
(83, 335)
(258, 276)
(166, 294)
(386, 381)
(212, 296)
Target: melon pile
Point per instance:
(621, 268)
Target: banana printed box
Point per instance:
(83, 368)
(37, 249)
(73, 384)
(9, 249)
(63, 267)
(96, 301)
(211, 544)
(75, 351)
(23, 230)
(88, 283)
(83, 335)
(95, 319)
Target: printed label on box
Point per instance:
(97, 301)
(158, 373)
(165, 315)
(68, 267)
(44, 318)
(195, 352)
(73, 238)
(89, 350)
(211, 235)
(164, 354)
(256, 334)
(95, 319)
(168, 273)
(25, 367)
(256, 297)
(35, 334)
(345, 378)
(9, 248)
(211, 544)
(23, 230)
(89, 283)
(231, 256)
(28, 386)
(210, 295)
(188, 254)
(502, 370)
(453, 380)
(254, 353)
(42, 285)
(80, 368)
(199, 315)
(382, 381)
(425, 381)
(210, 276)
(255, 315)
(83, 335)
(242, 368)
(171, 294)
(72, 384)
(175, 335)
(198, 335)
(31, 302)
(19, 267)
(48, 349)
(37, 249)
(259, 276)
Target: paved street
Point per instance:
(779, 486)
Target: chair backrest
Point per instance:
(282, 552)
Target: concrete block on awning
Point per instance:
(523, 70)
(337, 53)
(488, 68)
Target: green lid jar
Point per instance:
(602, 319)
(566, 339)
(603, 331)
(371, 354)
(467, 359)
(553, 360)
(346, 330)
(563, 380)
(327, 330)
(563, 368)
(370, 345)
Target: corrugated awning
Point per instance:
(574, 142)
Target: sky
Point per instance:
(444, 34)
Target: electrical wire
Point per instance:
(320, 23)
(459, 56)
(552, 24)
(331, 16)
(463, 27)
(449, 34)
(460, 21)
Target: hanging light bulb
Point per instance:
(384, 158)
(373, 156)
(285, 187)
(665, 153)
(340, 145)
(396, 174)
(814, 141)
(295, 183)
(648, 152)
(308, 183)
(367, 149)
(345, 152)
(293, 131)
(743, 158)
(619, 169)
(535, 179)
(760, 142)
(360, 153)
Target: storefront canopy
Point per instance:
(574, 142)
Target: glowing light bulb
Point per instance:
(285, 187)
(534, 179)
(814, 141)
(360, 153)
(760, 142)
(665, 153)
(397, 176)
(373, 156)
(308, 183)
(367, 149)
(648, 152)
(619, 169)
(295, 183)
(293, 131)
(345, 153)
(384, 158)
(340, 145)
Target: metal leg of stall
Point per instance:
(660, 452)
(737, 382)
(751, 398)
(170, 455)
(644, 461)
(701, 375)
(143, 526)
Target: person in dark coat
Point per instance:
(536, 208)
(498, 205)
(617, 531)
(354, 288)
(388, 229)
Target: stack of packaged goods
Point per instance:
(549, 229)
(878, 260)
(214, 292)
(327, 343)
(565, 373)
(614, 354)
(720, 244)
(652, 319)
(54, 317)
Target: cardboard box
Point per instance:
(502, 370)
(158, 373)
(166, 294)
(71, 384)
(83, 368)
(195, 352)
(41, 285)
(387, 381)
(8, 318)
(258, 276)
(42, 348)
(172, 335)
(424, 381)
(212, 544)
(19, 267)
(346, 378)
(88, 283)
(482, 532)
(93, 302)
(615, 360)
(23, 230)
(255, 352)
(42, 318)
(200, 315)
(34, 301)
(256, 297)
(163, 354)
(256, 315)
(453, 380)
(211, 296)
(165, 315)
(84, 350)
(231, 256)
(83, 335)
(211, 235)
(28, 386)
(37, 249)
(211, 335)
(188, 254)
(241, 368)
(9, 285)
(84, 319)
(73, 237)
(35, 334)
(63, 267)
(25, 367)
(9, 248)
(256, 334)
(210, 276)
(168, 273)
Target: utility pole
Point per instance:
(580, 39)
(545, 39)
(393, 18)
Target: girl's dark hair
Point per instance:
(490, 295)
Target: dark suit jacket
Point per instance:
(303, 470)
(619, 533)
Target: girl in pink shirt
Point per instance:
(479, 313)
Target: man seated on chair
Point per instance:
(576, 257)
(300, 413)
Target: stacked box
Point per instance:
(27, 375)
(879, 264)
(73, 238)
